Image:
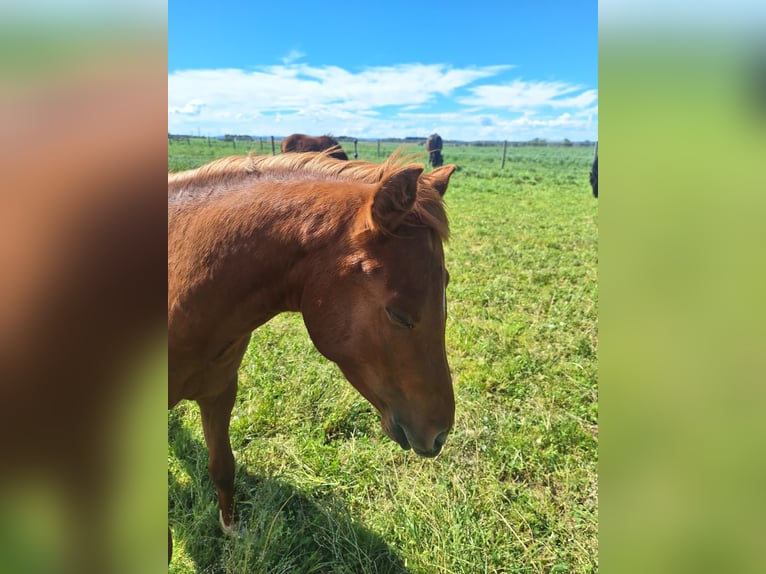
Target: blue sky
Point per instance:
(468, 70)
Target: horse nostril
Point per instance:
(440, 439)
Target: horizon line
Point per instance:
(385, 138)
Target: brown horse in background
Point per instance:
(302, 143)
(434, 149)
(356, 247)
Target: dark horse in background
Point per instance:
(434, 149)
(302, 142)
(354, 246)
(594, 173)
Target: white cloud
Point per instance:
(520, 95)
(292, 56)
(387, 101)
(499, 127)
(582, 100)
(190, 108)
(297, 86)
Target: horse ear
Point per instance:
(394, 197)
(439, 178)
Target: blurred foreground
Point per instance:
(82, 289)
(682, 207)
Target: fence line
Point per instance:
(386, 146)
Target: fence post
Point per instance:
(356, 155)
(378, 148)
(234, 142)
(505, 146)
(273, 149)
(261, 140)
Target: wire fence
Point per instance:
(501, 152)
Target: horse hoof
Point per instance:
(233, 530)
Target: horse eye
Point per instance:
(399, 318)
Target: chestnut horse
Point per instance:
(302, 142)
(356, 247)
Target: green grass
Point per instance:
(319, 485)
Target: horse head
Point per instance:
(381, 316)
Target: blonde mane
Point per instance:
(221, 175)
(307, 165)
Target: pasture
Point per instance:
(320, 488)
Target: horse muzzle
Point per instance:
(436, 446)
(428, 448)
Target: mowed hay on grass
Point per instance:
(320, 488)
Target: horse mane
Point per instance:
(287, 166)
(234, 172)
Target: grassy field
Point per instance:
(319, 485)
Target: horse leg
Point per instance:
(216, 413)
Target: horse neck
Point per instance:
(264, 248)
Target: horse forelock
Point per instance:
(429, 210)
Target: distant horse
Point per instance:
(301, 143)
(356, 247)
(594, 173)
(434, 149)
